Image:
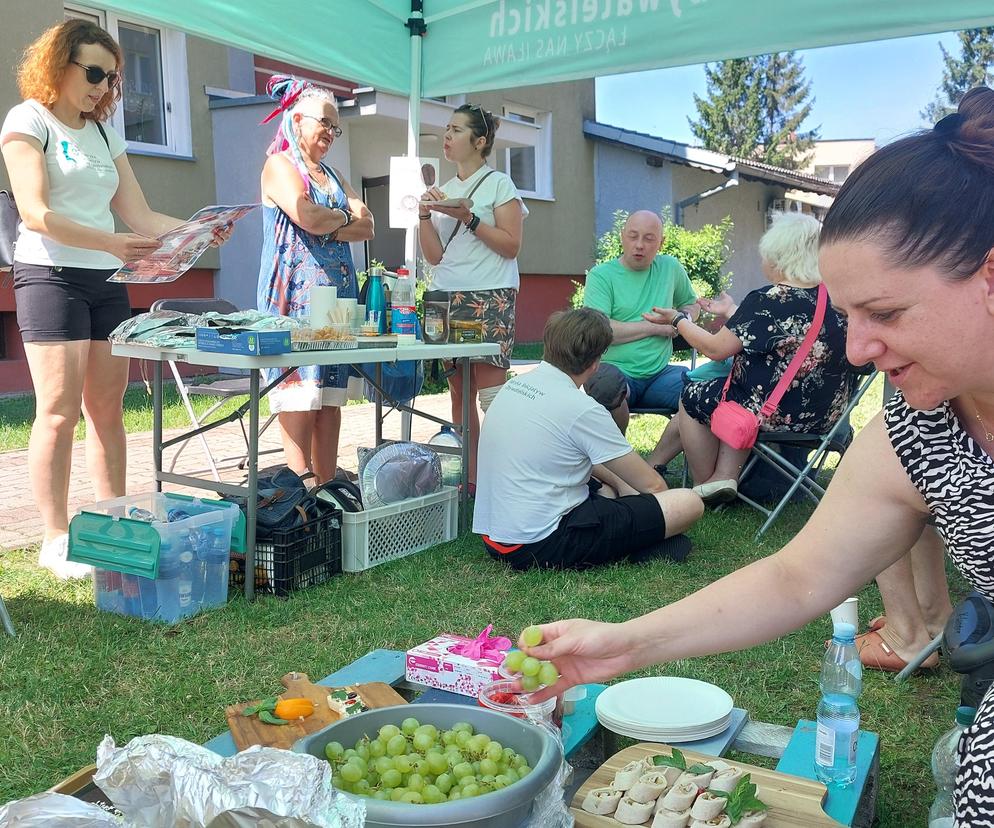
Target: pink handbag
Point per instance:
(738, 427)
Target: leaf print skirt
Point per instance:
(495, 309)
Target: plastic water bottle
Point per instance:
(838, 715)
(945, 759)
(404, 320)
(451, 463)
(375, 303)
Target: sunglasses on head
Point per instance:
(483, 114)
(335, 129)
(96, 75)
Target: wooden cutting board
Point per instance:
(248, 730)
(793, 801)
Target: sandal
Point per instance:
(877, 623)
(876, 654)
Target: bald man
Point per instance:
(635, 372)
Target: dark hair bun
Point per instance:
(974, 138)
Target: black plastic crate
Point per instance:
(292, 559)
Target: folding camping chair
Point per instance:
(224, 389)
(835, 440)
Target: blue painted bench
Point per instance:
(587, 745)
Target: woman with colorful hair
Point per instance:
(70, 173)
(310, 214)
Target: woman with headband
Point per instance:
(310, 214)
(473, 252)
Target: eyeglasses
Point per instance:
(96, 75)
(335, 129)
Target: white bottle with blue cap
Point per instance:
(838, 714)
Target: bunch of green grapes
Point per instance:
(534, 673)
(420, 764)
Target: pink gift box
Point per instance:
(443, 664)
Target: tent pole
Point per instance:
(417, 28)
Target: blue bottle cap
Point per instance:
(847, 632)
(965, 716)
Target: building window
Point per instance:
(154, 112)
(530, 167)
(836, 173)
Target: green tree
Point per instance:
(785, 97)
(729, 119)
(974, 67)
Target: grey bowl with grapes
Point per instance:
(509, 807)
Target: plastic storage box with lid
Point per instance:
(157, 556)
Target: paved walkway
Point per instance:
(20, 524)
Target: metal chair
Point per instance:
(804, 479)
(224, 389)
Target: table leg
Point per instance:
(157, 421)
(467, 397)
(253, 484)
(378, 376)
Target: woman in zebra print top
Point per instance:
(907, 253)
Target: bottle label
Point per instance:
(853, 738)
(825, 746)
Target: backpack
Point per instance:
(10, 218)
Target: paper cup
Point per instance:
(846, 613)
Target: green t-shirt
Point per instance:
(624, 295)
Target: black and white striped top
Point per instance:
(955, 476)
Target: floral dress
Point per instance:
(293, 262)
(771, 323)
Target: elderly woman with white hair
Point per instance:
(310, 214)
(762, 334)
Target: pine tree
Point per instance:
(729, 119)
(975, 67)
(786, 101)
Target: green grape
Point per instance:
(414, 797)
(513, 661)
(428, 728)
(387, 732)
(463, 726)
(454, 794)
(403, 763)
(337, 781)
(468, 780)
(420, 765)
(390, 778)
(518, 761)
(455, 758)
(462, 769)
(495, 751)
(463, 738)
(532, 636)
(547, 673)
(333, 750)
(512, 775)
(381, 794)
(382, 764)
(415, 782)
(397, 745)
(471, 789)
(530, 683)
(362, 788)
(377, 748)
(437, 763)
(351, 773)
(530, 666)
(523, 771)
(444, 782)
(363, 750)
(348, 754)
(488, 767)
(479, 743)
(423, 741)
(397, 793)
(502, 781)
(449, 737)
(409, 725)
(432, 794)
(508, 754)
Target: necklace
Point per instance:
(988, 434)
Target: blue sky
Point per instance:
(867, 90)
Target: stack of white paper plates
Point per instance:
(664, 709)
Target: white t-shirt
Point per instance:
(82, 180)
(468, 264)
(539, 440)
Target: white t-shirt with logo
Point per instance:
(468, 264)
(539, 441)
(82, 180)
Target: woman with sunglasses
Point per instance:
(69, 170)
(310, 214)
(473, 252)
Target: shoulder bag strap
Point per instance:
(802, 354)
(459, 223)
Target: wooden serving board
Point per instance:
(248, 730)
(793, 801)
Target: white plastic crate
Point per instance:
(386, 533)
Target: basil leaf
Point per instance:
(676, 760)
(725, 794)
(700, 767)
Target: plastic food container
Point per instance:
(503, 697)
(507, 808)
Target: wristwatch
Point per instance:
(678, 318)
(473, 223)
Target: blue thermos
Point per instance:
(375, 301)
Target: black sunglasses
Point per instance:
(96, 75)
(328, 125)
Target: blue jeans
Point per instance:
(661, 391)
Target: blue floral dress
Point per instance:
(293, 262)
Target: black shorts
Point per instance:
(61, 304)
(599, 531)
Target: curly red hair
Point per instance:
(45, 61)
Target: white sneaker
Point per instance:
(53, 557)
(717, 491)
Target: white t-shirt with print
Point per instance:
(82, 180)
(468, 264)
(539, 441)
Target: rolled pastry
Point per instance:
(722, 821)
(708, 806)
(751, 819)
(629, 775)
(630, 812)
(665, 818)
(671, 773)
(726, 780)
(702, 780)
(718, 764)
(602, 801)
(649, 787)
(680, 796)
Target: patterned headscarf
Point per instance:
(287, 90)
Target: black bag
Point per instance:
(283, 503)
(339, 494)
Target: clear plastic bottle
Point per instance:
(838, 714)
(945, 759)
(404, 315)
(451, 463)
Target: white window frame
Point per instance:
(542, 145)
(175, 84)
